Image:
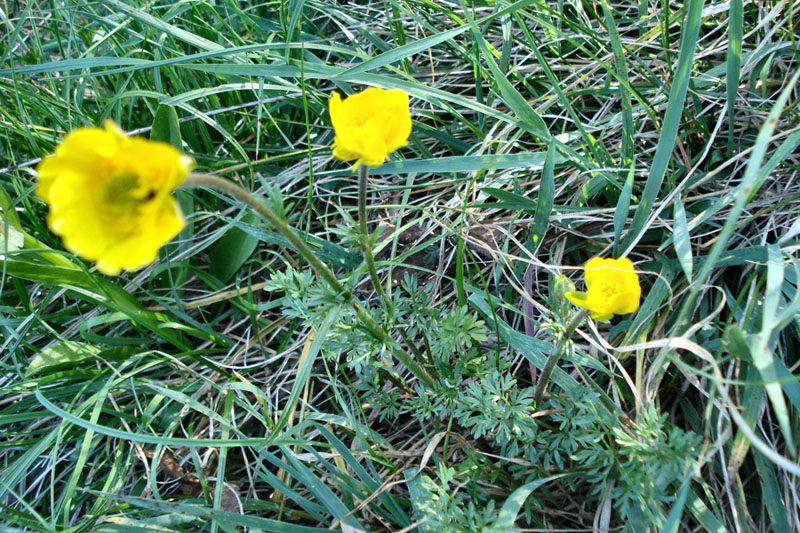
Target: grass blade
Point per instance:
(681, 238)
(544, 204)
(669, 129)
(732, 64)
(746, 188)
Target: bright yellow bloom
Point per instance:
(369, 125)
(110, 196)
(612, 288)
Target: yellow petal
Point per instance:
(612, 288)
(627, 302)
(593, 268)
(601, 316)
(369, 125)
(110, 196)
(336, 111)
(578, 298)
(341, 153)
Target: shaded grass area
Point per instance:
(222, 387)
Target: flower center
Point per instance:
(611, 289)
(123, 192)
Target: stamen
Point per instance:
(121, 190)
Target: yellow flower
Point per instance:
(612, 288)
(110, 196)
(369, 125)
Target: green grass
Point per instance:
(198, 394)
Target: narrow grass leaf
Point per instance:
(232, 250)
(419, 496)
(402, 52)
(166, 127)
(623, 207)
(788, 381)
(164, 523)
(531, 120)
(98, 290)
(733, 63)
(787, 147)
(772, 296)
(182, 399)
(221, 485)
(680, 232)
(658, 293)
(511, 200)
(13, 35)
(466, 163)
(703, 515)
(747, 187)
(295, 14)
(64, 353)
(363, 476)
(19, 469)
(85, 449)
(791, 290)
(305, 365)
(228, 517)
(772, 496)
(672, 120)
(589, 143)
(328, 252)
(673, 521)
(507, 515)
(154, 439)
(621, 67)
(763, 357)
(325, 495)
(314, 509)
(541, 218)
(158, 24)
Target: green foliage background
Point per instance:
(226, 388)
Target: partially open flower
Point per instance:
(612, 288)
(110, 196)
(369, 125)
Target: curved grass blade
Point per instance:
(227, 517)
(732, 64)
(669, 130)
(623, 207)
(511, 508)
(544, 205)
(680, 231)
(745, 189)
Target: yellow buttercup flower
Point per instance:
(369, 125)
(110, 196)
(612, 288)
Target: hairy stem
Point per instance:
(363, 170)
(550, 365)
(232, 189)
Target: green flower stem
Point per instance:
(363, 170)
(550, 365)
(232, 189)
